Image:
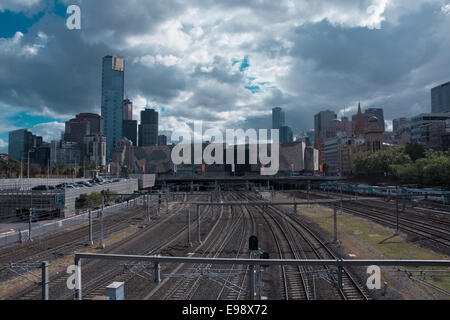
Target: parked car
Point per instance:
(43, 188)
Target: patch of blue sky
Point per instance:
(26, 120)
(253, 89)
(245, 64)
(11, 22)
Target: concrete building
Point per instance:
(112, 99)
(127, 110)
(322, 123)
(373, 135)
(311, 159)
(95, 149)
(67, 152)
(440, 98)
(399, 123)
(148, 129)
(374, 112)
(422, 125)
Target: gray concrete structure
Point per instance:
(124, 187)
(144, 180)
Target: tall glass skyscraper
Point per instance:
(440, 98)
(277, 118)
(112, 100)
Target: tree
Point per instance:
(415, 151)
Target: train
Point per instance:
(388, 191)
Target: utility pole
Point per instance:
(102, 245)
(44, 280)
(335, 239)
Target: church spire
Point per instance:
(359, 126)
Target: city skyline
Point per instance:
(219, 77)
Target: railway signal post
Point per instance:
(91, 241)
(199, 239)
(45, 280)
(102, 245)
(396, 215)
(189, 244)
(30, 218)
(335, 224)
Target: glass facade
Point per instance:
(112, 100)
(440, 98)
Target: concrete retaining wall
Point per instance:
(123, 187)
(58, 225)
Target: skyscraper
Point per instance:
(21, 141)
(112, 99)
(286, 135)
(440, 98)
(374, 112)
(277, 118)
(323, 124)
(130, 130)
(127, 110)
(148, 129)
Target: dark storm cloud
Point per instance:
(325, 54)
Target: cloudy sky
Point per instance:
(226, 62)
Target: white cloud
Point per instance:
(49, 131)
(3, 144)
(16, 46)
(446, 9)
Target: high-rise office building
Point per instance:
(112, 100)
(21, 141)
(323, 124)
(130, 130)
(95, 122)
(148, 129)
(129, 126)
(440, 98)
(277, 118)
(286, 135)
(377, 112)
(400, 123)
(127, 110)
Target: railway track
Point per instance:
(302, 243)
(59, 291)
(187, 287)
(428, 226)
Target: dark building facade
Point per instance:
(323, 123)
(21, 141)
(148, 129)
(374, 112)
(112, 99)
(286, 135)
(130, 130)
(440, 98)
(162, 140)
(278, 118)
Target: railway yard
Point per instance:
(289, 224)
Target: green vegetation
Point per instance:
(94, 200)
(408, 165)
